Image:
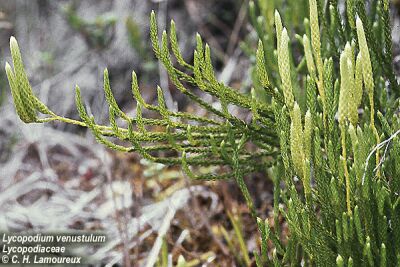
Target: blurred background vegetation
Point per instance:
(58, 178)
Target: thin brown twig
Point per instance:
(233, 40)
(122, 223)
(203, 217)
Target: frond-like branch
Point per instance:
(205, 142)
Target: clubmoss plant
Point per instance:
(322, 121)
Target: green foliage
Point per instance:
(97, 33)
(335, 178)
(137, 42)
